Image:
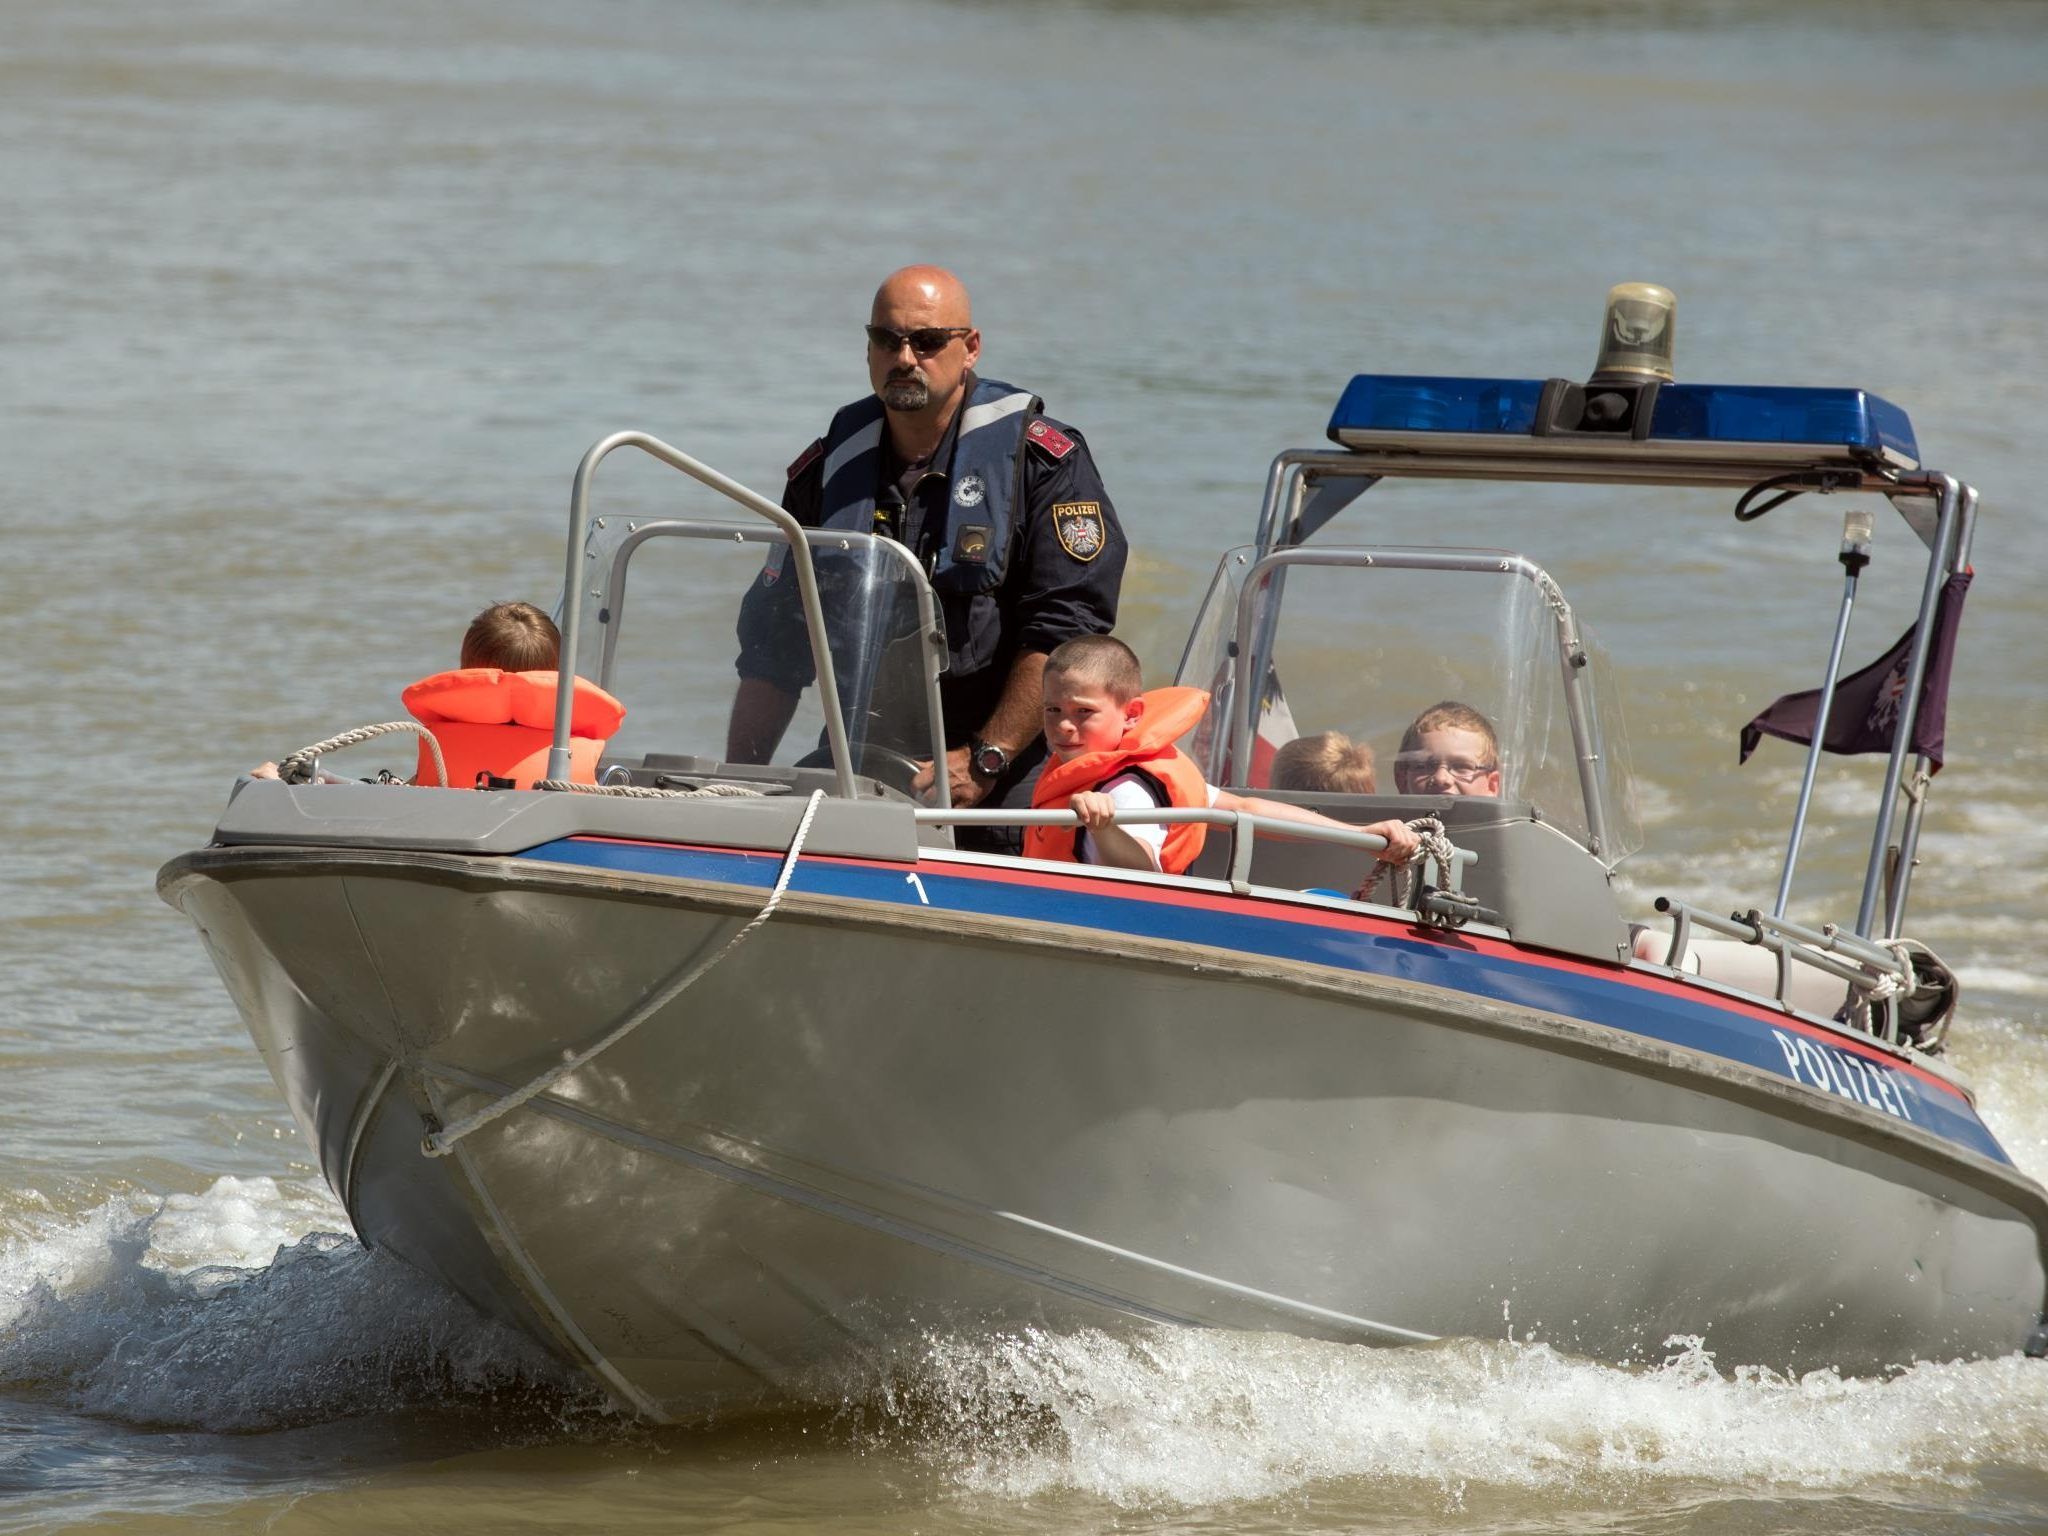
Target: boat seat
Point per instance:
(1548, 890)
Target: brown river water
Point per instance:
(306, 315)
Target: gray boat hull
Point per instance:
(872, 1124)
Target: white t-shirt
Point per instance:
(1130, 792)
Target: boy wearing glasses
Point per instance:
(1003, 508)
(1449, 750)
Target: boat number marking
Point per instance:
(917, 885)
(1845, 1073)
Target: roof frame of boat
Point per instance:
(1718, 436)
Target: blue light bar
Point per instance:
(1378, 402)
(1832, 422)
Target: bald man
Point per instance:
(1003, 508)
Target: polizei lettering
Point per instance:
(1846, 1073)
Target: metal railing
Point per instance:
(1864, 967)
(1304, 486)
(1253, 651)
(930, 629)
(1244, 826)
(794, 535)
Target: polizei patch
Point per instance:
(1079, 524)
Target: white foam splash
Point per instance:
(1186, 1417)
(241, 1309)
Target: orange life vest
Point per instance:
(1148, 749)
(502, 723)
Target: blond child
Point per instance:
(1327, 763)
(1449, 750)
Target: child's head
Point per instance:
(513, 637)
(1091, 695)
(1330, 762)
(1449, 750)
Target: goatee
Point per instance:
(910, 394)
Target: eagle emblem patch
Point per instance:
(1079, 525)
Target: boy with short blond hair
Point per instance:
(1449, 750)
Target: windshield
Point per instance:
(1451, 668)
(711, 602)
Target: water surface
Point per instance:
(305, 318)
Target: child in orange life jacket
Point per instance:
(1112, 749)
(495, 713)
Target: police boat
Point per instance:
(734, 1083)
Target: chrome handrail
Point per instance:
(1866, 967)
(753, 501)
(1245, 826)
(930, 627)
(1253, 657)
(1913, 493)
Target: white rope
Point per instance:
(1431, 842)
(298, 767)
(647, 792)
(441, 1143)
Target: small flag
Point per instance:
(1865, 714)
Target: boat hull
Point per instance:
(873, 1123)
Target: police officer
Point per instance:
(1003, 508)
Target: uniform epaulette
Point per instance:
(1044, 434)
(807, 458)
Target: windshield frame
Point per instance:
(596, 562)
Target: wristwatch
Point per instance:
(986, 760)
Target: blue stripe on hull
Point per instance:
(1614, 999)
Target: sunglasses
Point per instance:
(925, 341)
(1426, 765)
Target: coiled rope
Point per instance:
(298, 768)
(1432, 842)
(648, 792)
(440, 1143)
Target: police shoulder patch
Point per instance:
(1044, 434)
(807, 458)
(1079, 526)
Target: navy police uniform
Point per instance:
(1008, 518)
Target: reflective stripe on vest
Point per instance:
(985, 468)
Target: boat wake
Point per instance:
(244, 1309)
(1194, 1418)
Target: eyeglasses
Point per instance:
(1427, 765)
(925, 341)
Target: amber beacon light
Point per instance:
(1636, 341)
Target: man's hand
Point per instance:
(965, 788)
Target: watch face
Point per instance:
(991, 761)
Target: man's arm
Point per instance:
(1011, 725)
(761, 712)
(1069, 563)
(775, 649)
